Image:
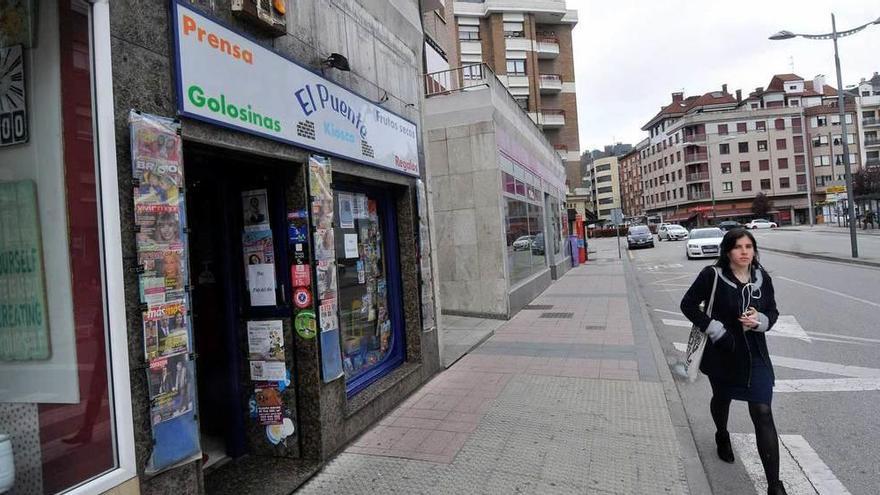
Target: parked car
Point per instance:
(639, 236)
(729, 225)
(704, 243)
(760, 223)
(671, 232)
(523, 243)
(538, 244)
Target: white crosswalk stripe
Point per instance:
(800, 468)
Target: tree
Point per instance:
(761, 205)
(866, 182)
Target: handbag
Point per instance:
(697, 340)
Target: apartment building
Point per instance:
(606, 180)
(867, 95)
(630, 169)
(529, 47)
(709, 155)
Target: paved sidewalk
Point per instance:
(567, 399)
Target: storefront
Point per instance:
(65, 413)
(238, 270)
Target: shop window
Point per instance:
(368, 300)
(56, 398)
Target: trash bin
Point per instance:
(573, 242)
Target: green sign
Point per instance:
(24, 329)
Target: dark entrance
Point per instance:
(230, 199)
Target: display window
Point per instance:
(370, 317)
(57, 416)
(527, 243)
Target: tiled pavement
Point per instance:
(560, 400)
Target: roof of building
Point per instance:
(679, 108)
(777, 84)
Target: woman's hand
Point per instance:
(750, 319)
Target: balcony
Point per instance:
(872, 162)
(870, 121)
(695, 138)
(802, 188)
(698, 195)
(698, 177)
(872, 142)
(550, 83)
(551, 119)
(695, 157)
(547, 48)
(562, 151)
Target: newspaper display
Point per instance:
(157, 172)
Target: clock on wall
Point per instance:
(13, 104)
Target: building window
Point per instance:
(794, 103)
(724, 149)
(678, 156)
(819, 121)
(745, 166)
(727, 187)
(743, 147)
(763, 164)
(765, 184)
(516, 67)
(469, 33)
(821, 161)
(779, 124)
(760, 125)
(679, 175)
(523, 102)
(762, 145)
(722, 129)
(783, 163)
(514, 30)
(746, 185)
(820, 140)
(470, 72)
(784, 183)
(725, 167)
(781, 144)
(741, 127)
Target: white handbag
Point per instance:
(697, 340)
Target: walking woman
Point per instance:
(736, 359)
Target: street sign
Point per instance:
(836, 189)
(616, 216)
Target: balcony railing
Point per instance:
(547, 47)
(550, 83)
(551, 117)
(698, 176)
(872, 162)
(871, 121)
(698, 195)
(695, 157)
(872, 142)
(802, 188)
(458, 79)
(694, 138)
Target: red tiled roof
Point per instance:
(690, 103)
(779, 80)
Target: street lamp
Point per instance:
(834, 35)
(663, 181)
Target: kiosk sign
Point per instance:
(225, 78)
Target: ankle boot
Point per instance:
(776, 488)
(725, 451)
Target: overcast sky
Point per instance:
(630, 55)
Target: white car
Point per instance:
(671, 232)
(523, 243)
(704, 243)
(760, 223)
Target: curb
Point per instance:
(823, 257)
(695, 473)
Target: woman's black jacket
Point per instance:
(733, 367)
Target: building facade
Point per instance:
(529, 47)
(630, 168)
(228, 238)
(868, 100)
(606, 183)
(709, 155)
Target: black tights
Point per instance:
(765, 432)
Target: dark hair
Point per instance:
(729, 242)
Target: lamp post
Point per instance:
(663, 182)
(834, 35)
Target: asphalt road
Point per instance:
(827, 399)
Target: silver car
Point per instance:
(671, 232)
(704, 243)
